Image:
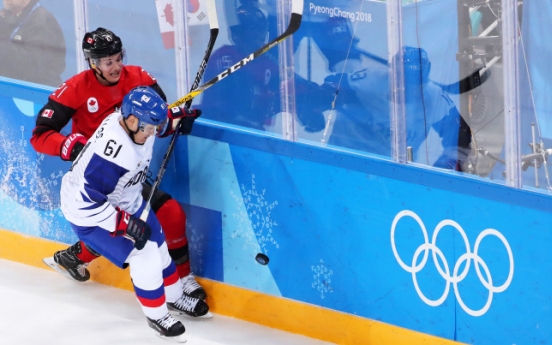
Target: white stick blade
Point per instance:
(297, 6)
(212, 14)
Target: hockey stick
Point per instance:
(214, 26)
(294, 23)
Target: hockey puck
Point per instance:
(262, 259)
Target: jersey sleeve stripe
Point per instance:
(101, 178)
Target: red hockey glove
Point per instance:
(187, 117)
(72, 146)
(132, 228)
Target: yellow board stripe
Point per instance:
(276, 312)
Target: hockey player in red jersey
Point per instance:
(87, 99)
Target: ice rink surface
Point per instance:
(39, 306)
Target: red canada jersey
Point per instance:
(85, 101)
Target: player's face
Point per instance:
(111, 67)
(146, 131)
(141, 137)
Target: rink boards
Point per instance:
(361, 250)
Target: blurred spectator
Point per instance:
(251, 97)
(248, 98)
(360, 116)
(32, 45)
(362, 122)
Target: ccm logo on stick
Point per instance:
(236, 67)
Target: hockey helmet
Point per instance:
(416, 65)
(146, 105)
(252, 26)
(336, 41)
(101, 43)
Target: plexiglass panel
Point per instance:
(342, 82)
(452, 119)
(145, 29)
(431, 82)
(249, 98)
(535, 72)
(481, 101)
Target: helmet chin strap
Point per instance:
(99, 73)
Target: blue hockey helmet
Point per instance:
(251, 29)
(416, 65)
(146, 105)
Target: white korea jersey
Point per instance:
(108, 173)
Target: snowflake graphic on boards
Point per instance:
(21, 174)
(257, 213)
(195, 243)
(29, 195)
(322, 279)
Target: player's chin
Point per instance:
(142, 140)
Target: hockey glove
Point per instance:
(187, 117)
(132, 228)
(310, 111)
(72, 146)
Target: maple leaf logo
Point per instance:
(169, 16)
(92, 102)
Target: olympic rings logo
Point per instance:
(455, 278)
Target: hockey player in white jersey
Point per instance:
(101, 198)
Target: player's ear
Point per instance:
(134, 121)
(130, 121)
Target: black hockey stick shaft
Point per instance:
(294, 23)
(213, 24)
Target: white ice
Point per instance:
(39, 306)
